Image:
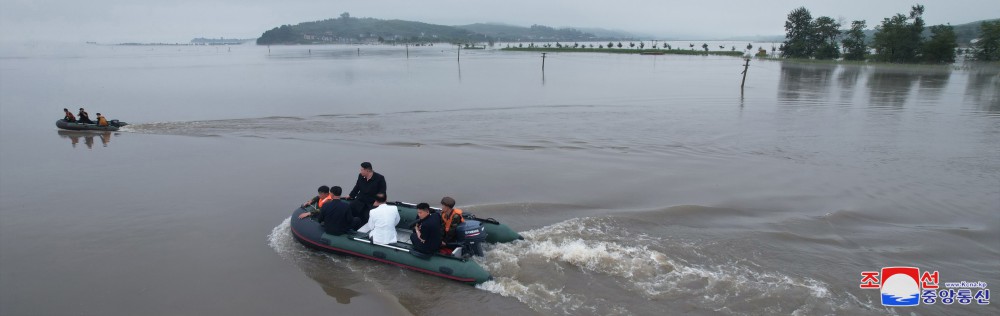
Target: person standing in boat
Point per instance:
(451, 217)
(334, 216)
(68, 116)
(84, 117)
(381, 225)
(101, 121)
(426, 236)
(369, 184)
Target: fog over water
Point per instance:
(643, 184)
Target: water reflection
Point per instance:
(805, 83)
(890, 87)
(88, 137)
(933, 84)
(984, 89)
(848, 80)
(343, 295)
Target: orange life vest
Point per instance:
(447, 221)
(102, 121)
(323, 201)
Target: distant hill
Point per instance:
(510, 33)
(220, 41)
(347, 29)
(967, 32)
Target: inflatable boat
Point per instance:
(113, 125)
(458, 266)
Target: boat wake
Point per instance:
(594, 266)
(280, 239)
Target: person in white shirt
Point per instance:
(382, 220)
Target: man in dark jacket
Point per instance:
(368, 185)
(84, 117)
(426, 237)
(334, 215)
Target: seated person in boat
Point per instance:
(101, 121)
(426, 236)
(382, 221)
(69, 116)
(323, 192)
(84, 117)
(451, 217)
(334, 216)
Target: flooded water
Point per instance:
(643, 184)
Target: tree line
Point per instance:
(898, 39)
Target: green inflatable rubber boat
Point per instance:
(310, 233)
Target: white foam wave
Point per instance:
(561, 244)
(611, 255)
(280, 239)
(537, 295)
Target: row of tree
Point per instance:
(899, 39)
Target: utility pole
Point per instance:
(745, 66)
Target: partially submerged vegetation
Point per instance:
(568, 49)
(898, 39)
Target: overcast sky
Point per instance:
(112, 21)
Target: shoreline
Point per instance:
(624, 51)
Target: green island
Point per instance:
(351, 30)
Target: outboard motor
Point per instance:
(472, 235)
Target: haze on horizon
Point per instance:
(114, 21)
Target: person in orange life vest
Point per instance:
(101, 121)
(450, 218)
(69, 116)
(426, 236)
(323, 193)
(84, 117)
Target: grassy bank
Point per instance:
(622, 51)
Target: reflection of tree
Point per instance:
(889, 87)
(933, 83)
(848, 80)
(804, 82)
(984, 89)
